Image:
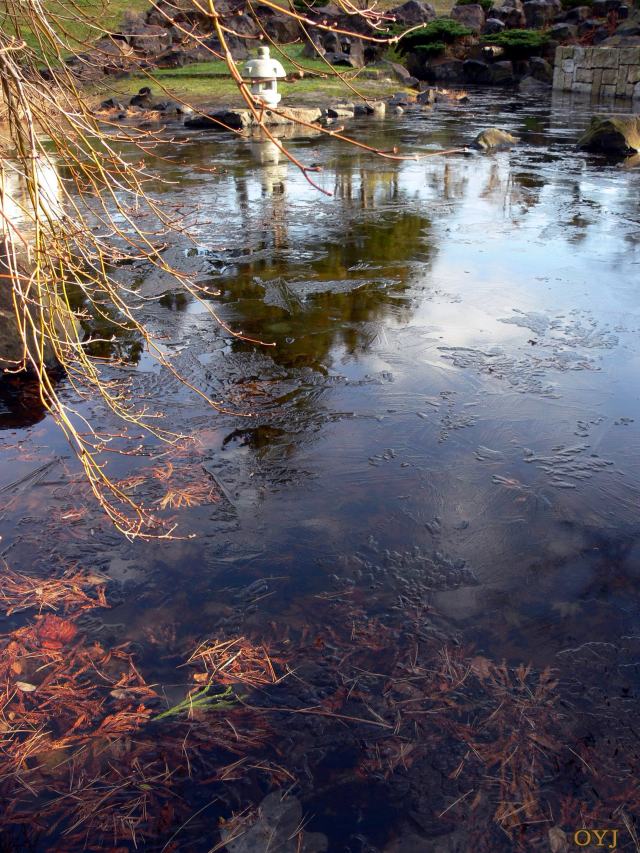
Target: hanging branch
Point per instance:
(58, 254)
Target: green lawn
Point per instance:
(210, 82)
(80, 21)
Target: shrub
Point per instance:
(519, 44)
(434, 48)
(442, 31)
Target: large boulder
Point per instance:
(492, 138)
(445, 71)
(538, 14)
(502, 73)
(563, 32)
(476, 71)
(343, 50)
(541, 69)
(612, 135)
(150, 40)
(283, 29)
(471, 15)
(493, 26)
(512, 14)
(413, 12)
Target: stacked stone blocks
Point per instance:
(602, 72)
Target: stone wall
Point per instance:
(602, 72)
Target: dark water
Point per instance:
(445, 448)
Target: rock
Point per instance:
(493, 138)
(413, 12)
(538, 14)
(111, 104)
(278, 828)
(541, 69)
(512, 13)
(612, 135)
(502, 73)
(428, 96)
(402, 99)
(143, 99)
(151, 40)
(397, 111)
(471, 16)
(342, 59)
(313, 48)
(532, 86)
(493, 26)
(283, 29)
(341, 111)
(476, 71)
(447, 71)
(577, 14)
(241, 119)
(374, 108)
(588, 27)
(599, 8)
(400, 73)
(343, 50)
(563, 32)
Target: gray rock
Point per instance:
(502, 73)
(341, 111)
(428, 96)
(397, 110)
(476, 71)
(512, 13)
(401, 99)
(242, 119)
(492, 138)
(563, 32)
(538, 14)
(449, 71)
(413, 12)
(493, 26)
(578, 14)
(276, 828)
(471, 16)
(399, 72)
(532, 86)
(541, 69)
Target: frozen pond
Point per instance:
(445, 455)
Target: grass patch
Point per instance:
(210, 82)
(79, 22)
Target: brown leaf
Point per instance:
(54, 632)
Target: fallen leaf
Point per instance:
(54, 632)
(25, 686)
(558, 840)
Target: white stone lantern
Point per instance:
(263, 73)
